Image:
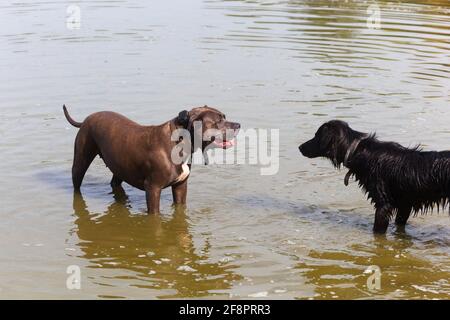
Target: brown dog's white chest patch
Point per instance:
(184, 174)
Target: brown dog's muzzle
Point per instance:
(227, 137)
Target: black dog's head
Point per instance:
(210, 126)
(332, 140)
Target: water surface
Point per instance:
(288, 65)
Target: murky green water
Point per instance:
(268, 64)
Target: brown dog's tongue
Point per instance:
(347, 176)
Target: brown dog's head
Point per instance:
(332, 140)
(210, 126)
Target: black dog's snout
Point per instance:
(300, 148)
(236, 126)
(309, 149)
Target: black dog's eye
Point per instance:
(324, 130)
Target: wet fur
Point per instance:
(398, 180)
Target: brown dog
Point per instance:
(142, 155)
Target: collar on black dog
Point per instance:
(352, 148)
(349, 153)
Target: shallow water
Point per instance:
(289, 65)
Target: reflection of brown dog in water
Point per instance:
(117, 239)
(141, 155)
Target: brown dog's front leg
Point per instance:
(153, 195)
(179, 192)
(382, 216)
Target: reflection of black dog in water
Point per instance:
(398, 180)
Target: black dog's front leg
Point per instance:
(382, 216)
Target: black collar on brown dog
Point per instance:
(183, 118)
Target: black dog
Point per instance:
(398, 180)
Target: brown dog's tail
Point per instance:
(69, 118)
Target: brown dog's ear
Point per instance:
(183, 118)
(193, 116)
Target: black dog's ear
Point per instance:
(183, 118)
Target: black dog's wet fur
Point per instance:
(397, 180)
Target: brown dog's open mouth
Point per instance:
(224, 144)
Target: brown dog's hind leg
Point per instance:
(179, 192)
(153, 195)
(84, 153)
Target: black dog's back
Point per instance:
(405, 177)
